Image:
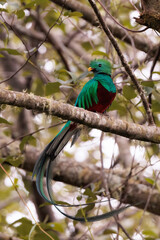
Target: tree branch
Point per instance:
(134, 192)
(56, 43)
(128, 189)
(140, 42)
(81, 175)
(90, 119)
(124, 62)
(150, 14)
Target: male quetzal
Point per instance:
(96, 96)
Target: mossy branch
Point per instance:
(79, 115)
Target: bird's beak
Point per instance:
(90, 69)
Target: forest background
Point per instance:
(45, 49)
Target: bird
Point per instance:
(96, 96)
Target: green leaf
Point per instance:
(149, 180)
(52, 16)
(59, 227)
(129, 92)
(52, 88)
(86, 45)
(63, 203)
(42, 3)
(15, 181)
(27, 140)
(148, 83)
(20, 13)
(149, 233)
(71, 74)
(155, 106)
(79, 198)
(37, 234)
(14, 160)
(109, 231)
(73, 14)
(82, 212)
(100, 53)
(24, 226)
(2, 120)
(3, 9)
(29, 4)
(157, 73)
(89, 193)
(44, 204)
(10, 51)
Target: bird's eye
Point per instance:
(100, 65)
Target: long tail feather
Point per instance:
(80, 219)
(50, 153)
(47, 158)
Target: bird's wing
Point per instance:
(88, 95)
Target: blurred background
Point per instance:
(45, 49)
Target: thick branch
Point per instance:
(80, 174)
(132, 191)
(90, 119)
(150, 15)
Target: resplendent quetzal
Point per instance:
(96, 96)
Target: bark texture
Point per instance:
(90, 119)
(150, 15)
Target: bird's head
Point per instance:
(100, 66)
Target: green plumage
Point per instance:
(96, 95)
(101, 66)
(88, 94)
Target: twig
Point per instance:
(29, 134)
(82, 175)
(103, 179)
(17, 33)
(149, 198)
(151, 72)
(124, 63)
(147, 46)
(54, 41)
(30, 55)
(154, 62)
(15, 73)
(124, 230)
(129, 30)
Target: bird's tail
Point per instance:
(46, 162)
(50, 153)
